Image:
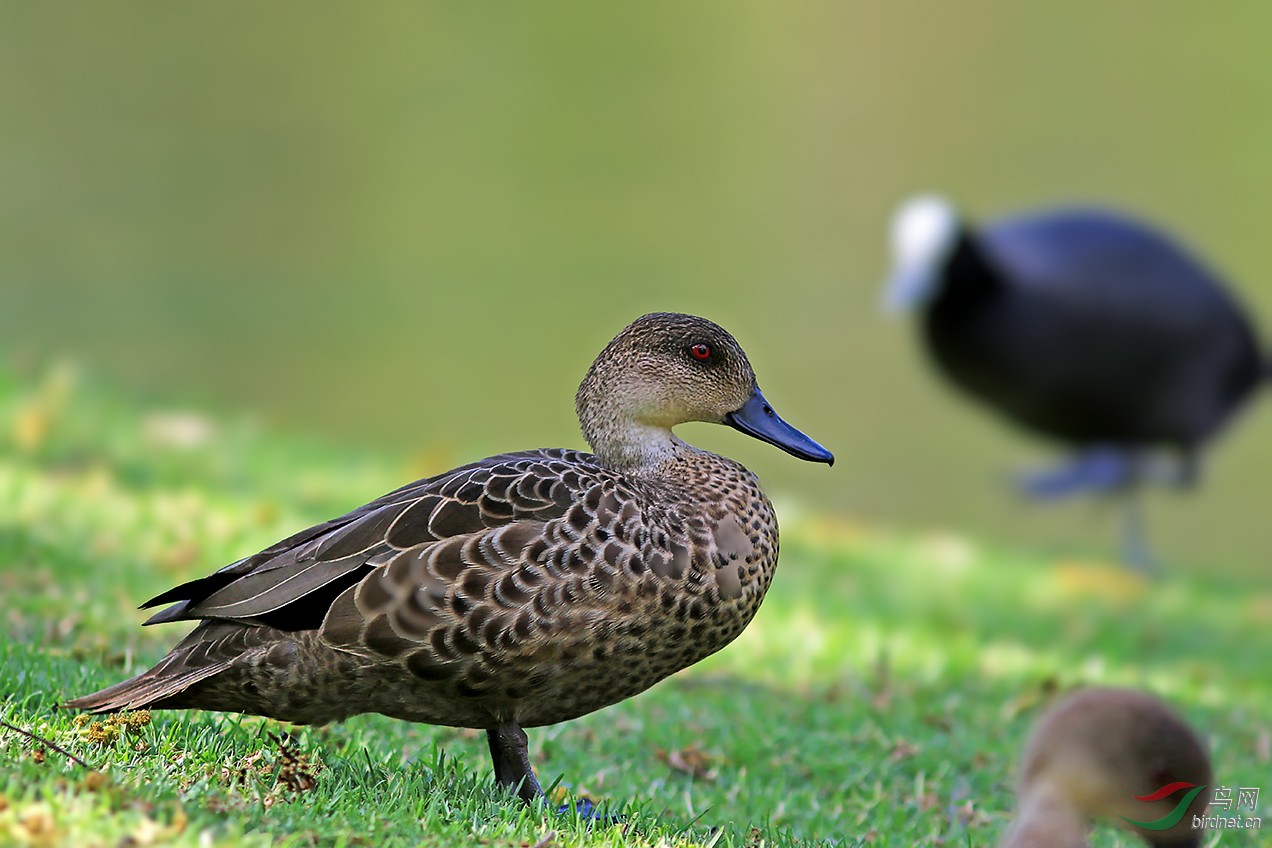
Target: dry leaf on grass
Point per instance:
(690, 760)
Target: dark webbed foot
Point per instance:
(586, 809)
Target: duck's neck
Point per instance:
(620, 434)
(635, 448)
(1047, 821)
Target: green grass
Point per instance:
(879, 697)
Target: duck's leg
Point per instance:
(1105, 469)
(509, 750)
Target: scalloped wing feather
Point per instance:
(468, 500)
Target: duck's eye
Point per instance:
(700, 351)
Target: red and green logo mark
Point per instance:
(1172, 818)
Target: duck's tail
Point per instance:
(148, 689)
(202, 654)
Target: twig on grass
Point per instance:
(46, 743)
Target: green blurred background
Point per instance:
(416, 224)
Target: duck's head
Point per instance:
(1098, 754)
(665, 369)
(925, 233)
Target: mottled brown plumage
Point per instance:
(522, 590)
(1091, 755)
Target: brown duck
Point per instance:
(1093, 756)
(522, 590)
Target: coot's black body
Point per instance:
(1085, 327)
(1092, 329)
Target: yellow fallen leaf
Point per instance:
(1106, 581)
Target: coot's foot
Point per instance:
(1102, 470)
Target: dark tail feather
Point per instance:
(207, 650)
(147, 689)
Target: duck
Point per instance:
(1084, 326)
(1121, 755)
(522, 590)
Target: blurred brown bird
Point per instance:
(1097, 754)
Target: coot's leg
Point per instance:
(1188, 470)
(1136, 551)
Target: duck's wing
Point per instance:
(292, 584)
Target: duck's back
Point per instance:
(1098, 329)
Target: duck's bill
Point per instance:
(756, 418)
(907, 290)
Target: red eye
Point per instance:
(700, 351)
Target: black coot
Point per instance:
(1083, 326)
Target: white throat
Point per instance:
(924, 232)
(637, 447)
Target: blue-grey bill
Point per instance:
(756, 418)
